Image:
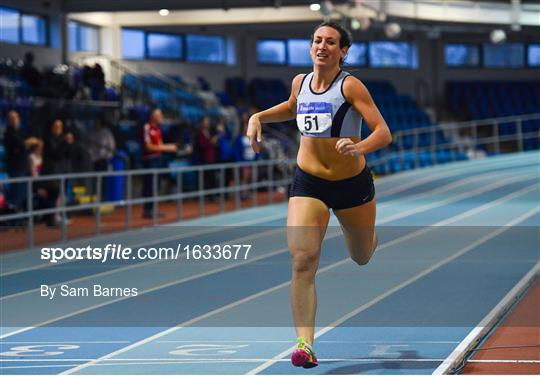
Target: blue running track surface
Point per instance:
(453, 241)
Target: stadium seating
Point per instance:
(482, 100)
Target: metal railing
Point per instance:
(266, 175)
(489, 135)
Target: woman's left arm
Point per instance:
(358, 96)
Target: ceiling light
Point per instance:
(392, 30)
(315, 7)
(355, 24)
(497, 36)
(163, 12)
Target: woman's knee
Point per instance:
(361, 258)
(362, 255)
(304, 260)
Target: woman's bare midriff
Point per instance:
(319, 157)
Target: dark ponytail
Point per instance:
(345, 36)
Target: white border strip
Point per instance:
(472, 339)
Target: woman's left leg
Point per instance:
(358, 226)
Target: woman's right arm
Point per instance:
(280, 112)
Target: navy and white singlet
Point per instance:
(326, 114)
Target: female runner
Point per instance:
(329, 105)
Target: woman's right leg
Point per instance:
(307, 221)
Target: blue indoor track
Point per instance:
(454, 240)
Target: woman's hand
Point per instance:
(346, 146)
(254, 132)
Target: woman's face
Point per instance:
(57, 128)
(325, 49)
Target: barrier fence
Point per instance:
(191, 182)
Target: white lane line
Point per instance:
(186, 279)
(121, 362)
(451, 199)
(457, 184)
(137, 362)
(402, 285)
(446, 174)
(442, 170)
(474, 337)
(504, 361)
(289, 341)
(57, 342)
(262, 293)
(142, 264)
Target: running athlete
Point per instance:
(331, 171)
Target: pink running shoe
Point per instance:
(304, 356)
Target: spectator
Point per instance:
(244, 152)
(206, 146)
(153, 147)
(56, 152)
(225, 151)
(29, 73)
(16, 159)
(102, 146)
(36, 158)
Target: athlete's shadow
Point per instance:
(384, 364)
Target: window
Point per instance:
(393, 55)
(83, 37)
(73, 40)
(205, 49)
(509, 55)
(9, 25)
(231, 51)
(164, 46)
(298, 52)
(533, 55)
(34, 30)
(461, 55)
(271, 52)
(356, 55)
(132, 44)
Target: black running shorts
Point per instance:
(336, 194)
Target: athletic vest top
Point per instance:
(326, 114)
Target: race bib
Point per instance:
(314, 117)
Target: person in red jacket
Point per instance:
(153, 147)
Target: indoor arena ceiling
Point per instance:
(201, 12)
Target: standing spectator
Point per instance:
(206, 146)
(36, 158)
(152, 153)
(244, 152)
(56, 153)
(16, 159)
(102, 146)
(225, 151)
(30, 74)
